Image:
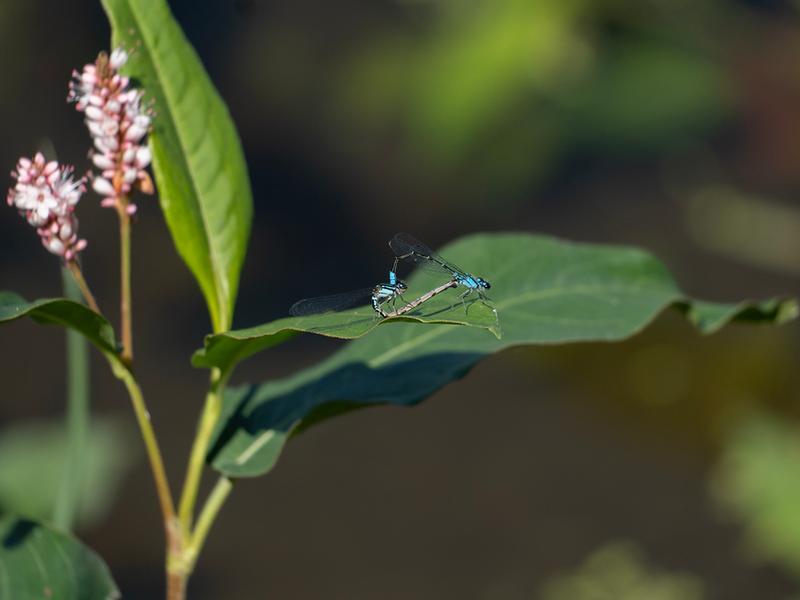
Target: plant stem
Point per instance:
(180, 566)
(75, 269)
(77, 418)
(207, 517)
(125, 284)
(153, 454)
(176, 585)
(197, 459)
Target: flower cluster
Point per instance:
(118, 124)
(46, 195)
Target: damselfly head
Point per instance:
(401, 286)
(483, 283)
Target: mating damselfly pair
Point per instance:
(408, 248)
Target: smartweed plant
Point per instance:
(544, 291)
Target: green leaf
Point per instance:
(198, 161)
(225, 350)
(60, 311)
(546, 292)
(38, 562)
(35, 455)
(709, 317)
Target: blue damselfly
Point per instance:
(424, 298)
(407, 247)
(377, 296)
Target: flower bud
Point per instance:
(103, 186)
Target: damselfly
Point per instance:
(377, 296)
(407, 247)
(424, 298)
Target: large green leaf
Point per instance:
(60, 311)
(38, 562)
(197, 158)
(226, 349)
(546, 292)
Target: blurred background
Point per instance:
(666, 467)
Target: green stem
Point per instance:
(125, 285)
(77, 418)
(75, 269)
(207, 517)
(197, 459)
(153, 454)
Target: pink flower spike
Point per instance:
(46, 195)
(118, 125)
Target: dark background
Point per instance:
(672, 125)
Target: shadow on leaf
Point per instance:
(289, 407)
(17, 533)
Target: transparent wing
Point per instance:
(409, 248)
(332, 303)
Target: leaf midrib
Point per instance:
(215, 268)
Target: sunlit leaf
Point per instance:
(198, 161)
(226, 349)
(545, 291)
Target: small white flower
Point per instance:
(135, 133)
(118, 58)
(55, 245)
(143, 157)
(103, 186)
(130, 175)
(94, 113)
(101, 161)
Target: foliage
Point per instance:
(39, 562)
(60, 311)
(202, 178)
(544, 291)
